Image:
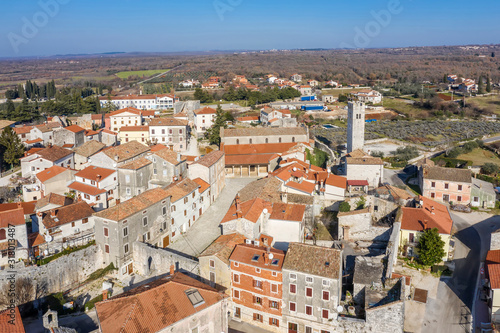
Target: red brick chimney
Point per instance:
(104, 295)
(172, 269)
(53, 213)
(425, 224)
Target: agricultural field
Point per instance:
(490, 103)
(146, 73)
(432, 133)
(480, 157)
(405, 107)
(340, 91)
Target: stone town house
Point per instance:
(256, 285)
(445, 184)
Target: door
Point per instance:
(130, 268)
(446, 197)
(292, 328)
(166, 241)
(200, 212)
(237, 313)
(412, 238)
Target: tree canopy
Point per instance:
(213, 133)
(430, 247)
(13, 148)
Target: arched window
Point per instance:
(2, 234)
(267, 140)
(237, 141)
(293, 139)
(250, 141)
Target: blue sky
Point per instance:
(73, 26)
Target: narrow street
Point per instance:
(451, 310)
(207, 229)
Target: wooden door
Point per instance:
(166, 241)
(130, 268)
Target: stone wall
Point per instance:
(61, 274)
(360, 228)
(149, 261)
(393, 248)
(495, 241)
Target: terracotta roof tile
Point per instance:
(305, 186)
(155, 305)
(432, 214)
(494, 275)
(203, 184)
(49, 173)
(493, 257)
(357, 183)
(449, 174)
(53, 198)
(28, 206)
(168, 155)
(250, 210)
(288, 212)
(93, 173)
(126, 151)
(167, 122)
(74, 128)
(249, 159)
(210, 159)
(254, 149)
(157, 147)
(205, 110)
(315, 260)
(223, 246)
(136, 164)
(264, 131)
(181, 189)
(244, 253)
(54, 153)
(23, 129)
(364, 160)
(134, 129)
(134, 205)
(13, 217)
(85, 188)
(9, 324)
(66, 214)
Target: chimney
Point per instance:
(432, 209)
(53, 213)
(98, 178)
(19, 205)
(266, 258)
(172, 269)
(178, 157)
(104, 294)
(117, 201)
(239, 213)
(425, 224)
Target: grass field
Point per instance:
(480, 156)
(491, 102)
(402, 106)
(337, 92)
(146, 73)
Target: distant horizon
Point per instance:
(200, 52)
(47, 28)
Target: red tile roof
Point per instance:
(28, 206)
(129, 109)
(33, 150)
(250, 159)
(157, 147)
(288, 212)
(494, 275)
(53, 198)
(11, 321)
(305, 186)
(223, 246)
(250, 210)
(74, 128)
(136, 164)
(264, 148)
(203, 184)
(337, 181)
(357, 183)
(155, 305)
(248, 118)
(205, 110)
(67, 214)
(315, 260)
(126, 151)
(432, 213)
(168, 155)
(22, 129)
(181, 189)
(493, 257)
(49, 173)
(33, 141)
(85, 188)
(244, 253)
(134, 129)
(168, 122)
(13, 217)
(54, 153)
(210, 159)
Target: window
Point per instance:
(106, 248)
(293, 306)
(86, 196)
(275, 273)
(274, 288)
(293, 276)
(237, 141)
(145, 221)
(460, 187)
(155, 172)
(257, 284)
(173, 221)
(274, 322)
(3, 234)
(267, 140)
(274, 305)
(309, 310)
(195, 297)
(186, 199)
(125, 232)
(195, 330)
(309, 292)
(72, 224)
(459, 198)
(237, 312)
(172, 209)
(236, 294)
(257, 300)
(257, 270)
(125, 248)
(325, 331)
(275, 262)
(257, 317)
(152, 131)
(279, 140)
(256, 257)
(212, 263)
(236, 278)
(326, 295)
(309, 279)
(250, 141)
(236, 264)
(293, 289)
(185, 212)
(128, 191)
(293, 139)
(433, 184)
(309, 329)
(326, 283)
(433, 195)
(164, 210)
(105, 232)
(476, 199)
(446, 186)
(325, 314)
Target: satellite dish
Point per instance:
(45, 253)
(48, 238)
(265, 210)
(340, 308)
(271, 256)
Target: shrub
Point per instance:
(490, 169)
(344, 207)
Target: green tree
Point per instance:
(480, 86)
(488, 84)
(430, 247)
(10, 110)
(490, 169)
(213, 133)
(361, 203)
(13, 147)
(344, 207)
(445, 78)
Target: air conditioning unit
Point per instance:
(256, 243)
(248, 241)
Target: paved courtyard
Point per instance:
(207, 229)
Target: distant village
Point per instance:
(189, 236)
